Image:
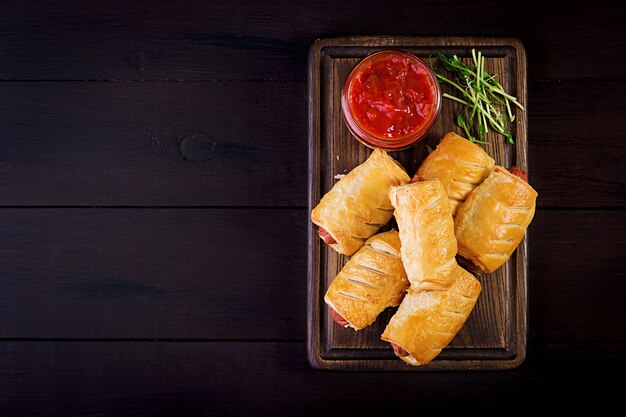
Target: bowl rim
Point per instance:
(370, 139)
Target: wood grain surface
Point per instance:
(170, 378)
(242, 40)
(118, 143)
(108, 274)
(494, 336)
(152, 273)
(135, 282)
(105, 143)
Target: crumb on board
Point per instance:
(337, 157)
(339, 176)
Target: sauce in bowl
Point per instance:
(390, 100)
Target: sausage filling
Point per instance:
(399, 351)
(520, 173)
(337, 317)
(326, 237)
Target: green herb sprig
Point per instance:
(486, 104)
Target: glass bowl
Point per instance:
(357, 124)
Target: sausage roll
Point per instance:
(491, 223)
(426, 229)
(372, 280)
(459, 164)
(442, 294)
(358, 205)
(427, 321)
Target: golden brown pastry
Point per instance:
(427, 321)
(426, 229)
(491, 223)
(442, 294)
(459, 164)
(372, 280)
(358, 205)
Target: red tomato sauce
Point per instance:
(392, 98)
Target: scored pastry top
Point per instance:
(372, 280)
(358, 204)
(493, 220)
(426, 229)
(459, 164)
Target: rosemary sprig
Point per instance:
(485, 103)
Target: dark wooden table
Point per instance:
(135, 282)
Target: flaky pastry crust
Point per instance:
(459, 164)
(427, 321)
(426, 229)
(358, 205)
(492, 222)
(372, 280)
(442, 294)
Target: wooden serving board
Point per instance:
(494, 336)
